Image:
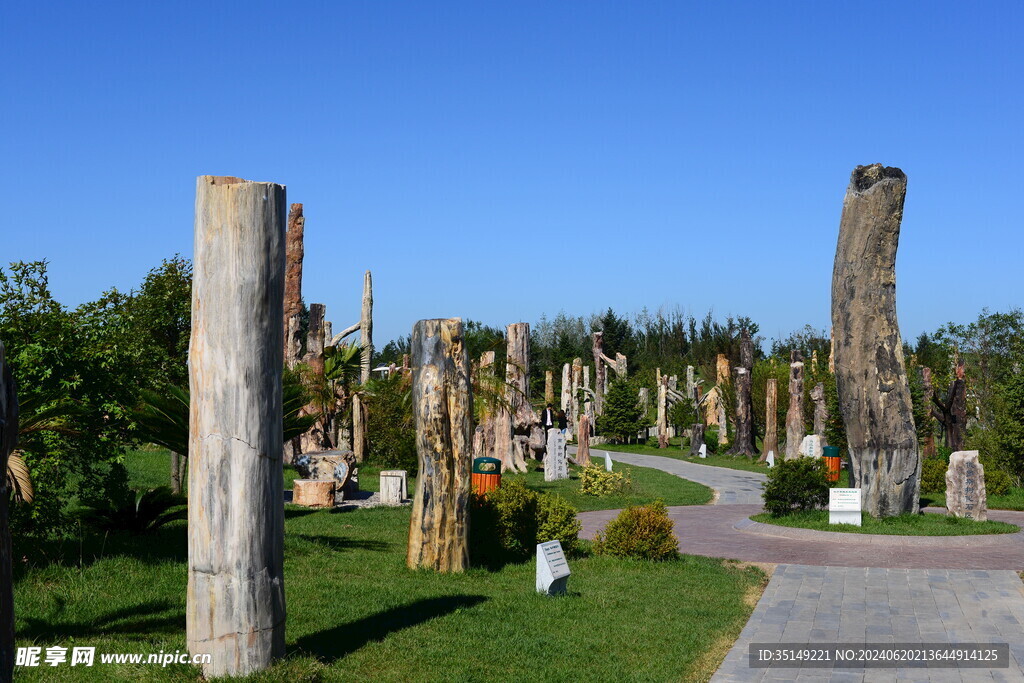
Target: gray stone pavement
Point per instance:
(733, 486)
(829, 605)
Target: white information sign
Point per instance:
(552, 569)
(770, 459)
(844, 506)
(703, 452)
(607, 461)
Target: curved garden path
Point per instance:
(831, 588)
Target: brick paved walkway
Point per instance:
(733, 486)
(828, 605)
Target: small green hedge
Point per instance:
(643, 532)
(798, 484)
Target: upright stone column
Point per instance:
(874, 396)
(235, 609)
(795, 414)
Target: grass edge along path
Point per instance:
(924, 524)
(732, 462)
(354, 610)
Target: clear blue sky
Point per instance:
(500, 161)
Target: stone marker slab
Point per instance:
(811, 446)
(770, 459)
(844, 506)
(703, 452)
(552, 569)
(556, 464)
(965, 486)
(607, 461)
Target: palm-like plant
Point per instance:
(148, 511)
(34, 417)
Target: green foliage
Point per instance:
(390, 431)
(596, 481)
(681, 415)
(711, 440)
(933, 475)
(1010, 426)
(997, 482)
(623, 417)
(144, 513)
(797, 484)
(507, 524)
(643, 532)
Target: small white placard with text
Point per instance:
(844, 506)
(552, 569)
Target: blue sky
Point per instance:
(497, 162)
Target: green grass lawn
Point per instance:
(1011, 500)
(355, 612)
(903, 525)
(151, 468)
(735, 462)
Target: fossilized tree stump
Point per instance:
(745, 444)
(365, 356)
(795, 414)
(236, 607)
(663, 412)
(313, 493)
(583, 442)
(8, 440)
(771, 418)
(820, 411)
(549, 388)
(294, 251)
(952, 413)
(871, 379)
(600, 372)
(443, 409)
(516, 417)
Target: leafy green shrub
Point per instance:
(798, 484)
(711, 440)
(507, 524)
(596, 481)
(997, 481)
(390, 432)
(556, 520)
(623, 416)
(933, 475)
(643, 532)
(145, 512)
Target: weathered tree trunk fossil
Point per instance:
(820, 411)
(871, 380)
(8, 440)
(516, 417)
(599, 372)
(316, 439)
(795, 414)
(235, 609)
(442, 402)
(663, 412)
(294, 251)
(575, 407)
(952, 413)
(696, 438)
(549, 388)
(365, 358)
(771, 419)
(583, 442)
(745, 439)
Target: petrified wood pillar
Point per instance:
(696, 438)
(600, 372)
(952, 413)
(583, 442)
(443, 408)
(235, 609)
(294, 251)
(315, 439)
(8, 440)
(871, 381)
(515, 418)
(795, 414)
(566, 391)
(663, 412)
(549, 388)
(745, 444)
(365, 356)
(771, 418)
(574, 394)
(820, 410)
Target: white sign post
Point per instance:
(770, 459)
(552, 569)
(844, 506)
(703, 450)
(607, 461)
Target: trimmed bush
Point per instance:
(507, 524)
(642, 532)
(798, 484)
(997, 481)
(596, 481)
(933, 475)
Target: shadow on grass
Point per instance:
(332, 644)
(169, 543)
(143, 619)
(342, 544)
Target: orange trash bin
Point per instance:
(832, 463)
(486, 475)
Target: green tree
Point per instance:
(623, 417)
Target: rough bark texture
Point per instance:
(235, 609)
(177, 472)
(294, 250)
(952, 413)
(566, 391)
(549, 388)
(365, 356)
(745, 444)
(663, 413)
(929, 441)
(696, 438)
(874, 397)
(795, 431)
(771, 427)
(820, 410)
(516, 418)
(316, 438)
(313, 493)
(574, 395)
(443, 409)
(600, 373)
(583, 442)
(8, 440)
(722, 379)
